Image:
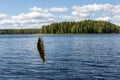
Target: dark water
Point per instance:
(69, 57)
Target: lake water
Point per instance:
(69, 57)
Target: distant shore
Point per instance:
(82, 27)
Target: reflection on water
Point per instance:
(69, 57)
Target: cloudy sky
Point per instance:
(17, 14)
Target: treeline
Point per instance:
(19, 31)
(86, 26)
(82, 27)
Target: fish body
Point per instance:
(40, 46)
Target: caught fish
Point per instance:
(40, 47)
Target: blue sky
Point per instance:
(35, 13)
(16, 6)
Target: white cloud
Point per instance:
(116, 17)
(58, 9)
(3, 16)
(36, 17)
(31, 19)
(88, 10)
(80, 14)
(37, 9)
(93, 8)
(106, 12)
(33, 15)
(66, 17)
(106, 18)
(72, 18)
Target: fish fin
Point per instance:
(44, 61)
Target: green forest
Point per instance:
(81, 27)
(19, 31)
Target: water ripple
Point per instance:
(69, 57)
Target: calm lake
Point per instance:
(69, 57)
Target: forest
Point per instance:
(19, 31)
(81, 27)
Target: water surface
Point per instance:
(69, 57)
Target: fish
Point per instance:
(40, 46)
